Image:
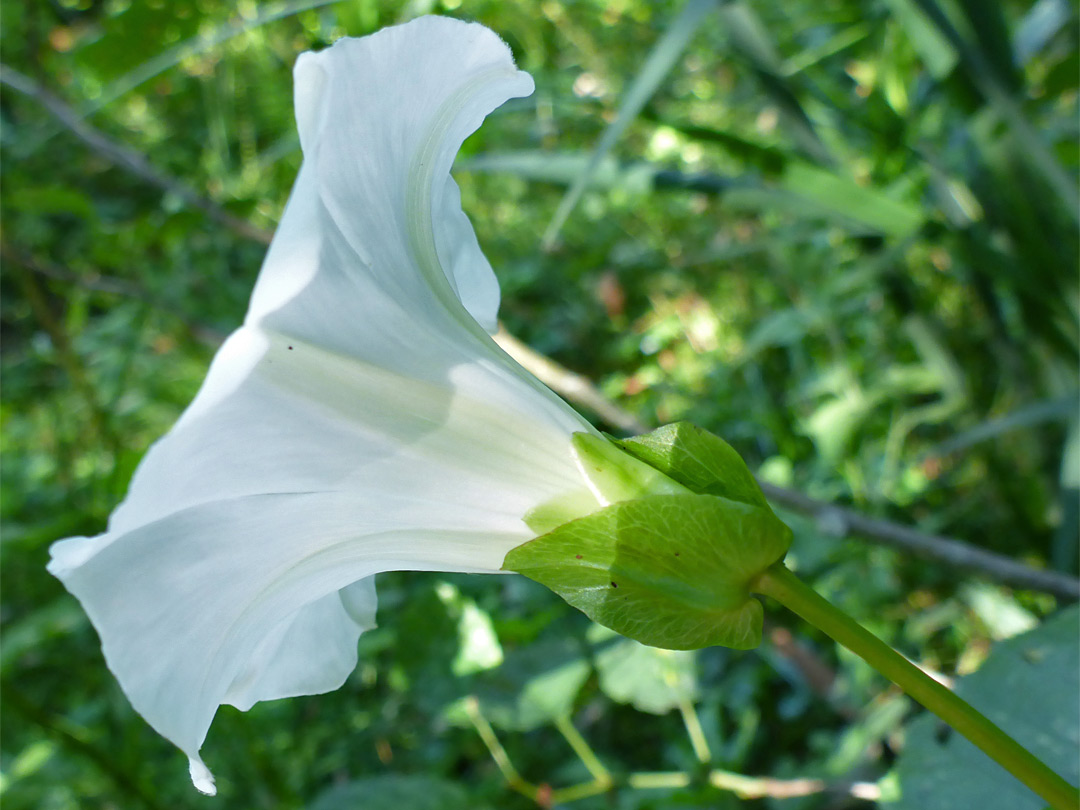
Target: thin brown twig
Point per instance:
(760, 787)
(840, 521)
(95, 283)
(68, 358)
(575, 387)
(125, 157)
(756, 787)
(110, 285)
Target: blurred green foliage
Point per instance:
(843, 236)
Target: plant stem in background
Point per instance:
(782, 585)
(502, 760)
(587, 756)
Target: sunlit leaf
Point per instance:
(650, 679)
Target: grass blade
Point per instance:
(663, 57)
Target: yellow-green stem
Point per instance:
(694, 730)
(787, 589)
(588, 757)
(498, 753)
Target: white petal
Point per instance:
(360, 421)
(249, 579)
(201, 776)
(381, 120)
(312, 651)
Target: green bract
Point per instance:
(698, 460)
(668, 570)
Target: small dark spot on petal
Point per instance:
(290, 348)
(614, 584)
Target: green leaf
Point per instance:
(394, 792)
(671, 571)
(698, 460)
(867, 205)
(934, 48)
(54, 199)
(535, 685)
(651, 680)
(1029, 686)
(551, 694)
(478, 645)
(996, 608)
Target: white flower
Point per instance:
(361, 420)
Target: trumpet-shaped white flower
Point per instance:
(361, 420)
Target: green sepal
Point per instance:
(616, 475)
(559, 510)
(612, 474)
(698, 460)
(671, 571)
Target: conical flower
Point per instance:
(361, 420)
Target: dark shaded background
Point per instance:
(843, 236)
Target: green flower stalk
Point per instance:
(678, 568)
(782, 585)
